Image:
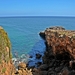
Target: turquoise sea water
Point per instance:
(24, 31)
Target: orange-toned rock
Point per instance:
(60, 51)
(60, 40)
(6, 67)
(22, 66)
(22, 70)
(6, 64)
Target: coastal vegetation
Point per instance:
(6, 66)
(6, 63)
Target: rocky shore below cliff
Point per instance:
(59, 56)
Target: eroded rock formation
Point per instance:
(58, 59)
(59, 56)
(6, 64)
(22, 70)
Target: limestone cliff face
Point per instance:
(6, 65)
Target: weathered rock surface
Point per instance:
(22, 70)
(60, 52)
(58, 59)
(6, 64)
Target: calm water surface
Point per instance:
(24, 31)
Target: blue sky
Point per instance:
(37, 7)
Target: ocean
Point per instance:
(24, 31)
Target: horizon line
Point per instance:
(17, 16)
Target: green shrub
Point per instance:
(3, 70)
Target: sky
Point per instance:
(37, 7)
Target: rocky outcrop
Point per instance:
(6, 64)
(22, 70)
(59, 57)
(42, 34)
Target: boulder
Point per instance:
(38, 56)
(21, 66)
(43, 67)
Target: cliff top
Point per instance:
(60, 51)
(61, 31)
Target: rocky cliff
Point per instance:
(6, 65)
(59, 57)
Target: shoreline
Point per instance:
(56, 52)
(32, 57)
(59, 56)
(57, 59)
